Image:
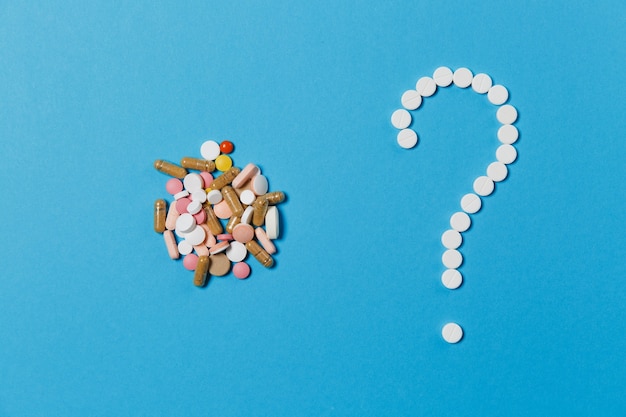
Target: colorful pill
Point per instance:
(223, 163)
(226, 146)
(190, 261)
(170, 244)
(246, 174)
(174, 186)
(241, 270)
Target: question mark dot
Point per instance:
(443, 76)
(411, 99)
(401, 119)
(497, 171)
(506, 114)
(483, 186)
(471, 203)
(460, 221)
(451, 239)
(452, 333)
(506, 154)
(451, 279)
(407, 138)
(452, 259)
(508, 134)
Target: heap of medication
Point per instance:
(216, 220)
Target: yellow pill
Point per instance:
(223, 163)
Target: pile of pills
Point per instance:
(215, 221)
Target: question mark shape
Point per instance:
(484, 185)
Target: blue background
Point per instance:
(96, 320)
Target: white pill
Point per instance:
(462, 77)
(426, 86)
(506, 154)
(259, 184)
(214, 196)
(497, 171)
(498, 94)
(483, 186)
(506, 114)
(407, 138)
(193, 182)
(194, 207)
(460, 221)
(452, 259)
(198, 195)
(470, 203)
(185, 223)
(210, 150)
(236, 252)
(247, 197)
(451, 239)
(401, 119)
(443, 76)
(508, 134)
(481, 83)
(246, 217)
(411, 100)
(451, 279)
(180, 195)
(271, 222)
(452, 333)
(196, 236)
(184, 247)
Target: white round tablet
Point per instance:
(508, 134)
(497, 171)
(451, 279)
(462, 77)
(271, 222)
(194, 207)
(460, 221)
(481, 83)
(426, 86)
(506, 154)
(196, 236)
(411, 100)
(407, 138)
(198, 195)
(180, 195)
(259, 184)
(247, 197)
(401, 119)
(470, 203)
(185, 223)
(452, 333)
(246, 217)
(483, 185)
(452, 259)
(443, 76)
(498, 94)
(184, 247)
(506, 114)
(236, 252)
(451, 239)
(210, 150)
(193, 182)
(214, 196)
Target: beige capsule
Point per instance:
(259, 253)
(211, 220)
(170, 168)
(200, 276)
(225, 179)
(232, 222)
(260, 209)
(198, 164)
(274, 197)
(159, 216)
(232, 199)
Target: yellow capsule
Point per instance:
(259, 253)
(159, 216)
(232, 222)
(211, 220)
(202, 268)
(274, 197)
(223, 163)
(198, 164)
(260, 209)
(232, 199)
(225, 179)
(170, 168)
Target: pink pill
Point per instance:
(210, 238)
(201, 250)
(200, 217)
(224, 236)
(222, 211)
(219, 248)
(174, 186)
(207, 177)
(181, 205)
(243, 233)
(241, 270)
(264, 240)
(190, 262)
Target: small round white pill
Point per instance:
(462, 78)
(497, 171)
(426, 86)
(508, 134)
(452, 333)
(210, 150)
(407, 138)
(443, 76)
(259, 184)
(247, 197)
(470, 203)
(506, 154)
(214, 196)
(452, 259)
(194, 207)
(451, 279)
(236, 252)
(180, 195)
(184, 247)
(506, 114)
(401, 119)
(196, 236)
(451, 239)
(483, 185)
(498, 94)
(246, 217)
(199, 195)
(193, 182)
(460, 221)
(411, 100)
(185, 223)
(481, 83)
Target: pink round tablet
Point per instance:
(190, 262)
(174, 186)
(224, 236)
(241, 270)
(243, 233)
(181, 205)
(207, 177)
(222, 211)
(200, 217)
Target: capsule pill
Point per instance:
(159, 216)
(260, 209)
(259, 254)
(232, 199)
(202, 268)
(198, 164)
(170, 169)
(225, 179)
(275, 197)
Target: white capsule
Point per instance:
(401, 119)
(271, 222)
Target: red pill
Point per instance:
(226, 146)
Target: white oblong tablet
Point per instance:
(214, 196)
(470, 203)
(451, 279)
(460, 221)
(497, 171)
(443, 76)
(271, 222)
(210, 150)
(498, 94)
(194, 207)
(506, 114)
(462, 77)
(198, 195)
(411, 100)
(426, 86)
(452, 259)
(451, 239)
(452, 333)
(185, 223)
(407, 138)
(184, 247)
(508, 134)
(236, 252)
(259, 184)
(246, 217)
(506, 154)
(481, 83)
(193, 182)
(180, 195)
(247, 197)
(483, 185)
(401, 119)
(196, 236)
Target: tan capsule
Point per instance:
(225, 179)
(232, 199)
(159, 216)
(212, 221)
(259, 253)
(232, 222)
(260, 209)
(198, 164)
(275, 197)
(199, 277)
(170, 168)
